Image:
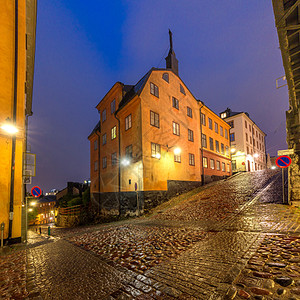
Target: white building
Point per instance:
(247, 142)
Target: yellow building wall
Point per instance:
(7, 49)
(158, 171)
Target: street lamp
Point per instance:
(177, 151)
(255, 155)
(9, 127)
(125, 162)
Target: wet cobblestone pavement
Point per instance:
(229, 241)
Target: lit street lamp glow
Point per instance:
(157, 155)
(9, 128)
(125, 162)
(255, 155)
(33, 203)
(232, 150)
(273, 167)
(30, 209)
(177, 151)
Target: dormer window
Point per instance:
(166, 77)
(223, 115)
(182, 90)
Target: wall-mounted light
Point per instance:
(177, 151)
(9, 127)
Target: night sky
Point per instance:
(228, 54)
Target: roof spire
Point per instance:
(171, 60)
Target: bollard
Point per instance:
(2, 231)
(48, 230)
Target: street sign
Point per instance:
(36, 191)
(283, 161)
(135, 186)
(285, 152)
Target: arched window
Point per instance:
(166, 77)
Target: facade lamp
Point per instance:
(232, 150)
(255, 155)
(177, 151)
(9, 127)
(125, 162)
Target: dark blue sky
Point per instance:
(228, 56)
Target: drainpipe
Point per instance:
(119, 160)
(202, 174)
(12, 178)
(98, 167)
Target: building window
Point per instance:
(222, 149)
(245, 124)
(154, 89)
(191, 159)
(128, 122)
(104, 139)
(166, 77)
(175, 102)
(177, 158)
(103, 115)
(95, 145)
(250, 128)
(114, 132)
(233, 164)
(247, 150)
(254, 142)
(203, 140)
(203, 119)
(217, 146)
(155, 150)
(190, 135)
(228, 168)
(104, 162)
(216, 128)
(231, 124)
(232, 137)
(182, 90)
(128, 151)
(176, 130)
(218, 165)
(256, 134)
(210, 123)
(113, 106)
(246, 137)
(226, 134)
(223, 115)
(205, 165)
(223, 166)
(96, 165)
(227, 151)
(212, 164)
(221, 131)
(189, 112)
(154, 119)
(211, 144)
(114, 159)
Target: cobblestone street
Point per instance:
(228, 240)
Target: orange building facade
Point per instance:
(150, 143)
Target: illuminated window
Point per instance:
(232, 137)
(154, 89)
(205, 165)
(177, 158)
(218, 165)
(233, 163)
(226, 134)
(154, 119)
(176, 129)
(114, 132)
(189, 112)
(128, 122)
(155, 150)
(221, 131)
(190, 135)
(222, 149)
(223, 167)
(228, 168)
(191, 159)
(203, 119)
(212, 164)
(227, 151)
(217, 146)
(223, 115)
